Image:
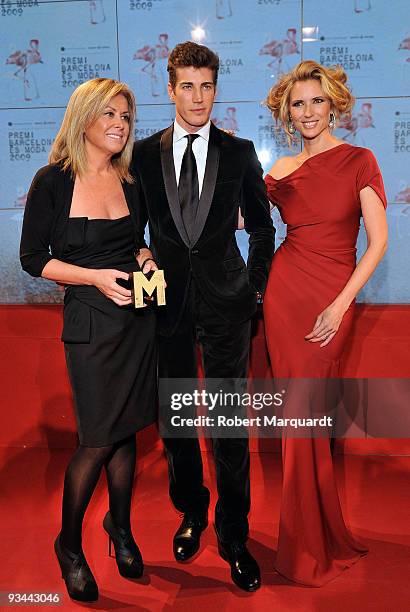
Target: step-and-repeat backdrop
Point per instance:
(48, 48)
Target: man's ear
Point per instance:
(171, 93)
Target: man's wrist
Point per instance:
(146, 260)
(143, 254)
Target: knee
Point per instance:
(97, 454)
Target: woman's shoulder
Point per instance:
(282, 166)
(49, 174)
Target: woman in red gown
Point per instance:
(321, 193)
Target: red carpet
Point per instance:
(375, 496)
(37, 398)
(36, 423)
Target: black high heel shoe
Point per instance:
(127, 553)
(75, 571)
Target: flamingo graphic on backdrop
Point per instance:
(355, 124)
(161, 48)
(403, 195)
(24, 59)
(405, 45)
(223, 9)
(361, 6)
(280, 49)
(20, 201)
(97, 13)
(364, 116)
(350, 125)
(150, 55)
(229, 122)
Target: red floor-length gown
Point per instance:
(319, 202)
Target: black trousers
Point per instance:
(225, 353)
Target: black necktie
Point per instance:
(188, 187)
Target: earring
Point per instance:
(332, 121)
(291, 127)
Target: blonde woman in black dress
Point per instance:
(81, 230)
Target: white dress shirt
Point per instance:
(199, 149)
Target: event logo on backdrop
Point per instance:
(49, 47)
(25, 142)
(368, 38)
(52, 48)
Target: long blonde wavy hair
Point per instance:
(332, 79)
(86, 104)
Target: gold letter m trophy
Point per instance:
(142, 282)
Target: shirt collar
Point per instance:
(180, 132)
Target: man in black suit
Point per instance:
(194, 180)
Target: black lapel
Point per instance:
(208, 187)
(170, 181)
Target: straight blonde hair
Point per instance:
(332, 79)
(86, 104)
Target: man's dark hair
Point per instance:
(191, 54)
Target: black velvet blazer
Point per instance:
(46, 217)
(233, 180)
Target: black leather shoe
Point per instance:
(127, 553)
(244, 570)
(80, 582)
(187, 538)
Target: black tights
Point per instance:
(81, 478)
